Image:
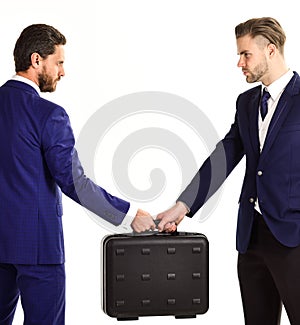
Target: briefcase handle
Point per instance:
(153, 232)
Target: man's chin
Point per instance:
(48, 89)
(250, 80)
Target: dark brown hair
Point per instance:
(37, 38)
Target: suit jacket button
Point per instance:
(251, 200)
(259, 173)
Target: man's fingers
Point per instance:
(161, 225)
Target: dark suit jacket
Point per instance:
(272, 175)
(38, 160)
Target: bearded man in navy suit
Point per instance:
(268, 230)
(38, 161)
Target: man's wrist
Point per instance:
(130, 215)
(184, 206)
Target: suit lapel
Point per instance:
(253, 120)
(281, 112)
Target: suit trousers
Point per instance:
(269, 276)
(41, 289)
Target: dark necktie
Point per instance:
(264, 103)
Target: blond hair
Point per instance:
(267, 27)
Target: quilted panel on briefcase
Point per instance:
(155, 275)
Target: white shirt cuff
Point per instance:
(126, 223)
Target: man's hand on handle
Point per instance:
(143, 221)
(171, 218)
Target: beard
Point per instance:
(258, 72)
(47, 83)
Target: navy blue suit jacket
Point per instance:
(272, 176)
(38, 161)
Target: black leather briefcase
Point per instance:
(154, 275)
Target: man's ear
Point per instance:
(35, 60)
(271, 49)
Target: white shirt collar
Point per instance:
(27, 81)
(278, 85)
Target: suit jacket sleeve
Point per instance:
(214, 171)
(64, 166)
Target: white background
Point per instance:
(118, 47)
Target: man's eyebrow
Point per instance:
(243, 52)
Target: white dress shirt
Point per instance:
(275, 90)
